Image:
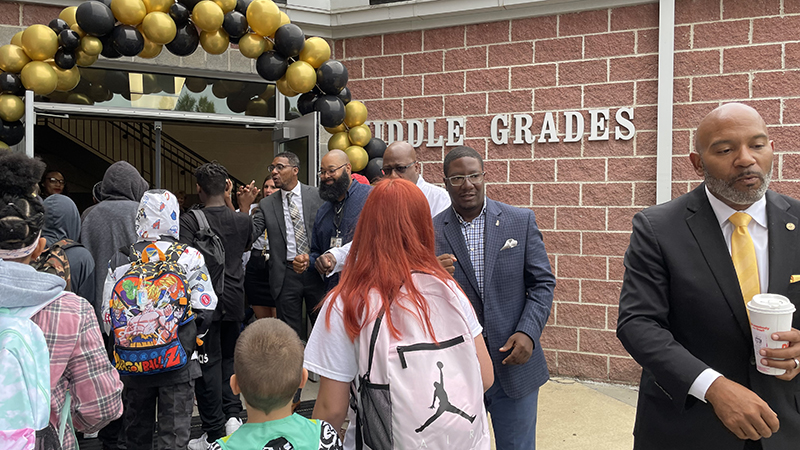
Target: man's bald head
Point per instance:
(725, 115)
(334, 158)
(402, 156)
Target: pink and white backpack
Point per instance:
(421, 392)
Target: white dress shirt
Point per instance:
(291, 244)
(758, 232)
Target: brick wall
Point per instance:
(585, 193)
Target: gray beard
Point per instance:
(727, 191)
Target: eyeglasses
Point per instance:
(473, 178)
(399, 169)
(280, 167)
(56, 181)
(330, 172)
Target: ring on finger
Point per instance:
(796, 363)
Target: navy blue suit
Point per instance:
(518, 287)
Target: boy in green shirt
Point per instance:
(268, 365)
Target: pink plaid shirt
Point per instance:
(79, 362)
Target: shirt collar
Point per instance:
(758, 210)
(421, 182)
(461, 219)
(295, 191)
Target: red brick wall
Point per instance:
(585, 193)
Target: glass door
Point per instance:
(301, 137)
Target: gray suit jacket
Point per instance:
(518, 287)
(681, 311)
(269, 216)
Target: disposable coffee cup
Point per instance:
(769, 314)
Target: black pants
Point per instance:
(215, 400)
(174, 416)
(306, 287)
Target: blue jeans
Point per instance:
(513, 420)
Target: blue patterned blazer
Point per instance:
(518, 287)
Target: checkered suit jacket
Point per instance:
(518, 287)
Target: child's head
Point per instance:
(21, 212)
(268, 362)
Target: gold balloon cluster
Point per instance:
(352, 135)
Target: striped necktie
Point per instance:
(297, 223)
(743, 254)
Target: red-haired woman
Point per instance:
(393, 275)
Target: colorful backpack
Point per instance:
(417, 392)
(149, 303)
(54, 260)
(25, 381)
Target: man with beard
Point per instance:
(691, 266)
(337, 218)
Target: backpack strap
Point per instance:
(374, 338)
(202, 221)
(65, 417)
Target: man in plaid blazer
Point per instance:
(498, 257)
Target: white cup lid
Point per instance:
(770, 304)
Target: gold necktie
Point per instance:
(743, 254)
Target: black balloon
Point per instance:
(186, 40)
(108, 49)
(345, 95)
(237, 102)
(331, 110)
(10, 83)
(374, 169)
(95, 18)
(117, 82)
(235, 24)
(271, 66)
(189, 3)
(253, 89)
(127, 40)
(332, 77)
(241, 5)
(107, 3)
(180, 14)
(65, 59)
(58, 25)
(305, 103)
(69, 40)
(375, 148)
(11, 132)
(289, 40)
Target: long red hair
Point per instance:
(394, 237)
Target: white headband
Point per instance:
(18, 253)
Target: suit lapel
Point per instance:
(277, 209)
(704, 226)
(452, 232)
(782, 243)
(493, 239)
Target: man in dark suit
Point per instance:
(288, 218)
(498, 258)
(682, 308)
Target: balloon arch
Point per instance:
(46, 59)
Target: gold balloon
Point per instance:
(252, 45)
(39, 77)
(157, 5)
(358, 157)
(159, 27)
(67, 79)
(284, 21)
(17, 39)
(196, 85)
(339, 141)
(360, 135)
(129, 12)
(68, 15)
(208, 16)
(283, 87)
(301, 76)
(355, 114)
(269, 92)
(79, 99)
(13, 58)
(40, 42)
(76, 28)
(91, 45)
(231, 86)
(150, 50)
(257, 107)
(215, 42)
(338, 129)
(315, 52)
(11, 108)
(226, 5)
(3, 145)
(264, 17)
(83, 59)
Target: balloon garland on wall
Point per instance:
(46, 59)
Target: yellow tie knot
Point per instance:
(740, 219)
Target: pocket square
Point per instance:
(511, 243)
(794, 279)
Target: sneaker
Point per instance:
(200, 443)
(232, 425)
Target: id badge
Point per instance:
(336, 242)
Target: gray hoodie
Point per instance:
(24, 291)
(61, 221)
(111, 223)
